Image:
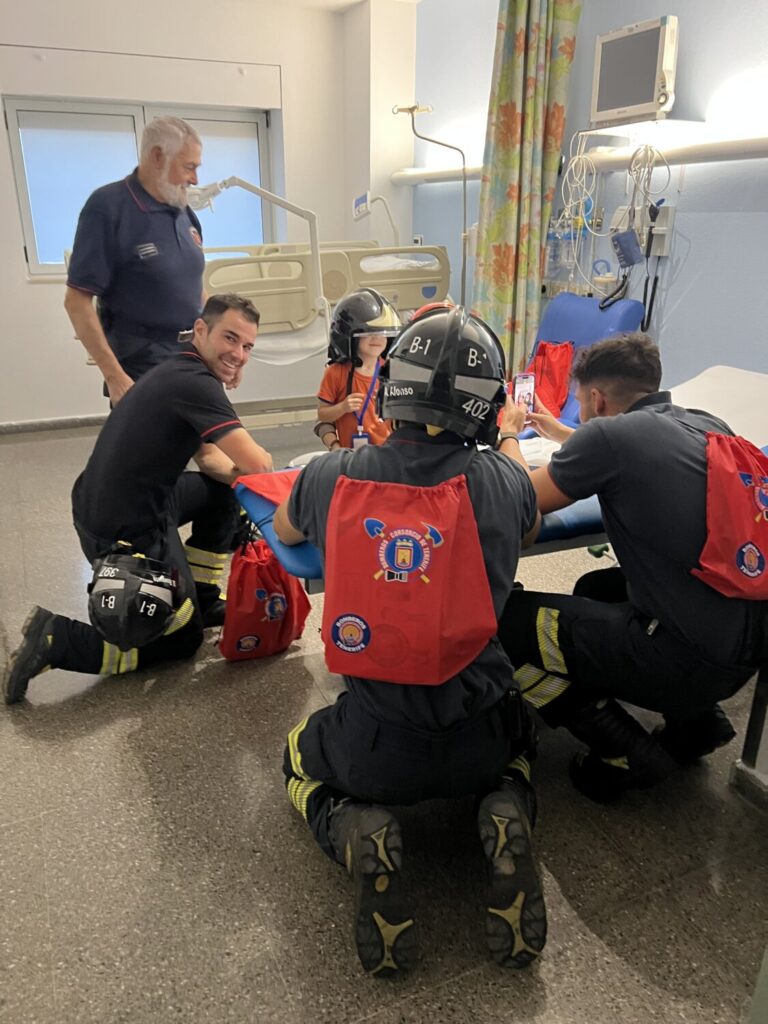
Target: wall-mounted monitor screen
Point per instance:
(634, 75)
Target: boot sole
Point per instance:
(15, 694)
(516, 917)
(385, 931)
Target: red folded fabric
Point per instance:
(275, 487)
(552, 366)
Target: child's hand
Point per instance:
(353, 402)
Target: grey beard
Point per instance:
(173, 195)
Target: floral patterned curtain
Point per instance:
(535, 44)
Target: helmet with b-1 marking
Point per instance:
(447, 369)
(133, 600)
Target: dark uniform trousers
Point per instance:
(139, 347)
(212, 509)
(343, 751)
(572, 651)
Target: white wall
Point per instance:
(44, 371)
(379, 73)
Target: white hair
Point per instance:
(169, 133)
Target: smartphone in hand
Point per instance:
(524, 389)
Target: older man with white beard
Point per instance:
(138, 251)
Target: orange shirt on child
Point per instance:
(333, 389)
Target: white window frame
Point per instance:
(141, 113)
(13, 106)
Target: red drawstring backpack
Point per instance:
(733, 560)
(552, 366)
(407, 598)
(266, 607)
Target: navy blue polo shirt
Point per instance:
(144, 261)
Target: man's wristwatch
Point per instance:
(508, 436)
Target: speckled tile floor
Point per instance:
(152, 869)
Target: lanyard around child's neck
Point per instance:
(359, 416)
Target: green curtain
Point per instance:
(535, 44)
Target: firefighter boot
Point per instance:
(31, 657)
(689, 740)
(516, 918)
(367, 840)
(623, 755)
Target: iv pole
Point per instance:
(416, 109)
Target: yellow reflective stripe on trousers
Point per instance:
(299, 792)
(527, 676)
(182, 617)
(129, 661)
(200, 574)
(110, 660)
(293, 750)
(115, 662)
(547, 624)
(539, 687)
(214, 559)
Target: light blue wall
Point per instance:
(714, 301)
(713, 305)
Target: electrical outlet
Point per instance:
(417, 240)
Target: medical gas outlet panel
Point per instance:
(661, 239)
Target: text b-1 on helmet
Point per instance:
(447, 368)
(362, 312)
(132, 599)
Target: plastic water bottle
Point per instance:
(552, 262)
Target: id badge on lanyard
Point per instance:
(362, 437)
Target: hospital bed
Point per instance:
(265, 248)
(277, 278)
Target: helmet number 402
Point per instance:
(477, 408)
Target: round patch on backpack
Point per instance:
(750, 560)
(351, 634)
(248, 643)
